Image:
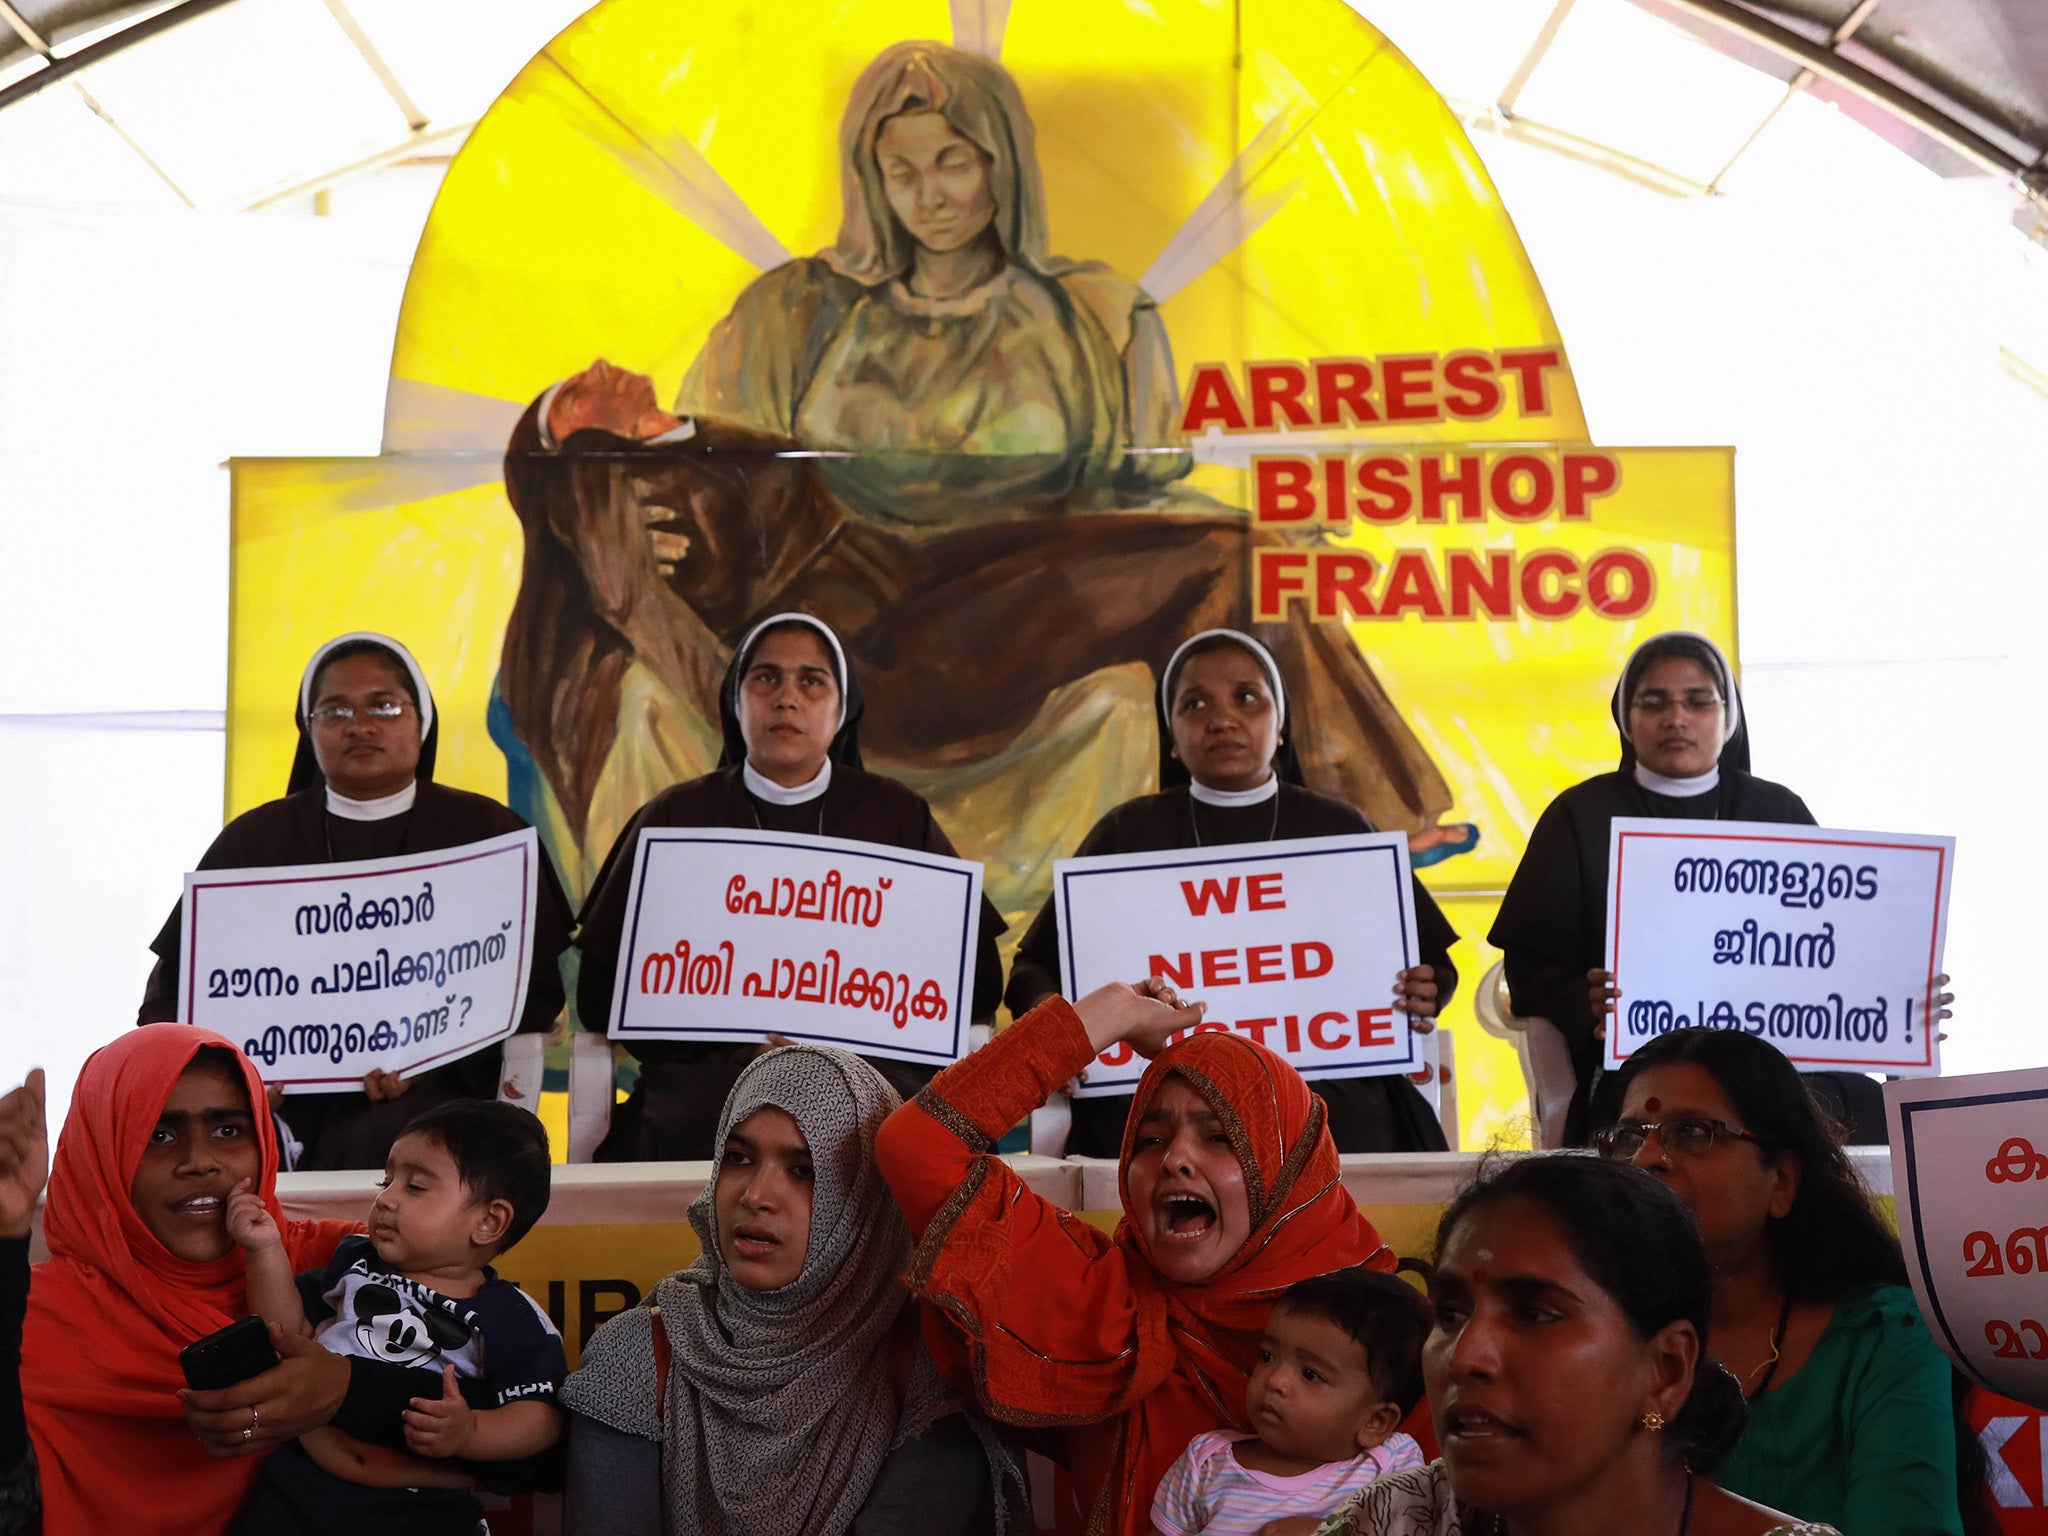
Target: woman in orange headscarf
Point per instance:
(164, 1124)
(1131, 1344)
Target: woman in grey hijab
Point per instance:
(777, 1384)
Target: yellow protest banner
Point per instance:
(1017, 342)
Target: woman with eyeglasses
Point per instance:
(1684, 755)
(1852, 1418)
(362, 787)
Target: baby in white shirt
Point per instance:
(1339, 1368)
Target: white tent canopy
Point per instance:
(204, 237)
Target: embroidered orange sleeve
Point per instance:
(1041, 1314)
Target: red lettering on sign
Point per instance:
(1509, 475)
(1181, 975)
(1262, 893)
(1283, 573)
(1341, 387)
(1306, 955)
(1264, 962)
(1542, 600)
(1219, 969)
(1494, 592)
(1528, 369)
(1411, 586)
(1283, 488)
(1405, 382)
(1322, 1042)
(1384, 495)
(1343, 576)
(1587, 475)
(1293, 1023)
(1471, 392)
(1375, 1026)
(1211, 401)
(1257, 1028)
(1462, 482)
(1220, 894)
(1276, 391)
(1637, 580)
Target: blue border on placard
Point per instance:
(961, 995)
(1404, 900)
(1906, 1113)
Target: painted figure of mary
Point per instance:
(990, 520)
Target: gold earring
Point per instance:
(1653, 1421)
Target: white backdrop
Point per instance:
(1845, 335)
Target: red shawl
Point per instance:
(110, 1308)
(1063, 1326)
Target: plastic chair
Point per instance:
(1437, 1079)
(525, 1062)
(1539, 1046)
(593, 1088)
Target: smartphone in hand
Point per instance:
(233, 1354)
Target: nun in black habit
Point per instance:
(1228, 774)
(790, 707)
(362, 787)
(1684, 755)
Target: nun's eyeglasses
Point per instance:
(1683, 1135)
(1694, 701)
(346, 714)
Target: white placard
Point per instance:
(1824, 943)
(731, 933)
(1294, 943)
(322, 972)
(1970, 1181)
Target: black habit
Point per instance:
(1367, 1114)
(673, 1112)
(346, 1130)
(1552, 927)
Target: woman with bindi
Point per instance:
(1851, 1410)
(791, 709)
(1568, 1374)
(1684, 756)
(777, 1384)
(362, 787)
(1229, 774)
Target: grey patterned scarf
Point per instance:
(779, 1409)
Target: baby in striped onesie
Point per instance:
(1338, 1370)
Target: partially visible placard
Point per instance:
(322, 972)
(1970, 1176)
(1824, 943)
(731, 934)
(1295, 944)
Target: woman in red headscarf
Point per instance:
(164, 1124)
(1131, 1344)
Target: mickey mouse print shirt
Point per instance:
(359, 1305)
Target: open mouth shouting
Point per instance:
(1186, 1216)
(1190, 1240)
